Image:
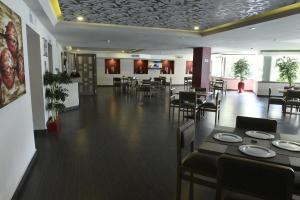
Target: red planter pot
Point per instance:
(53, 126)
(241, 86)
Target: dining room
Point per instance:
(179, 99)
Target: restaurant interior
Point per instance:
(149, 100)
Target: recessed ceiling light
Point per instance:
(196, 28)
(108, 41)
(252, 28)
(80, 18)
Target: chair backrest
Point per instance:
(117, 79)
(185, 137)
(200, 89)
(187, 97)
(256, 124)
(253, 178)
(293, 94)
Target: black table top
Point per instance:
(283, 157)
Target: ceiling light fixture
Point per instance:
(196, 28)
(252, 28)
(80, 18)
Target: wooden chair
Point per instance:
(241, 179)
(212, 107)
(188, 104)
(173, 101)
(275, 100)
(195, 167)
(187, 82)
(292, 100)
(256, 124)
(117, 82)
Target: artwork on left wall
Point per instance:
(12, 74)
(112, 66)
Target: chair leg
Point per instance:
(216, 115)
(219, 115)
(178, 192)
(268, 108)
(191, 188)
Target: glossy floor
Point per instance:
(119, 147)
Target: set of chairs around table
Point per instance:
(290, 99)
(217, 85)
(147, 87)
(234, 178)
(190, 104)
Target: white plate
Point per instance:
(228, 137)
(257, 151)
(287, 145)
(260, 135)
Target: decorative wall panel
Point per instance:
(174, 14)
(12, 75)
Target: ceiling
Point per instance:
(279, 34)
(172, 14)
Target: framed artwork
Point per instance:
(155, 64)
(112, 66)
(140, 66)
(167, 67)
(45, 45)
(189, 67)
(12, 72)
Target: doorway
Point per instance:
(36, 79)
(86, 66)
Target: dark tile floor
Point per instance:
(118, 147)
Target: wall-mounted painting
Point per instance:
(112, 66)
(155, 64)
(141, 66)
(167, 67)
(189, 67)
(12, 75)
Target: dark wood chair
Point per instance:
(256, 124)
(173, 101)
(195, 167)
(213, 106)
(117, 82)
(187, 82)
(292, 100)
(243, 179)
(188, 104)
(275, 100)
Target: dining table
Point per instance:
(211, 145)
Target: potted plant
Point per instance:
(241, 71)
(55, 95)
(288, 69)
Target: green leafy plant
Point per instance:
(55, 93)
(241, 69)
(288, 69)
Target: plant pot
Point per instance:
(53, 126)
(241, 86)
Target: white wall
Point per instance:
(16, 127)
(127, 68)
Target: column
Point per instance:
(201, 67)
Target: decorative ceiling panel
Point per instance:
(174, 14)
